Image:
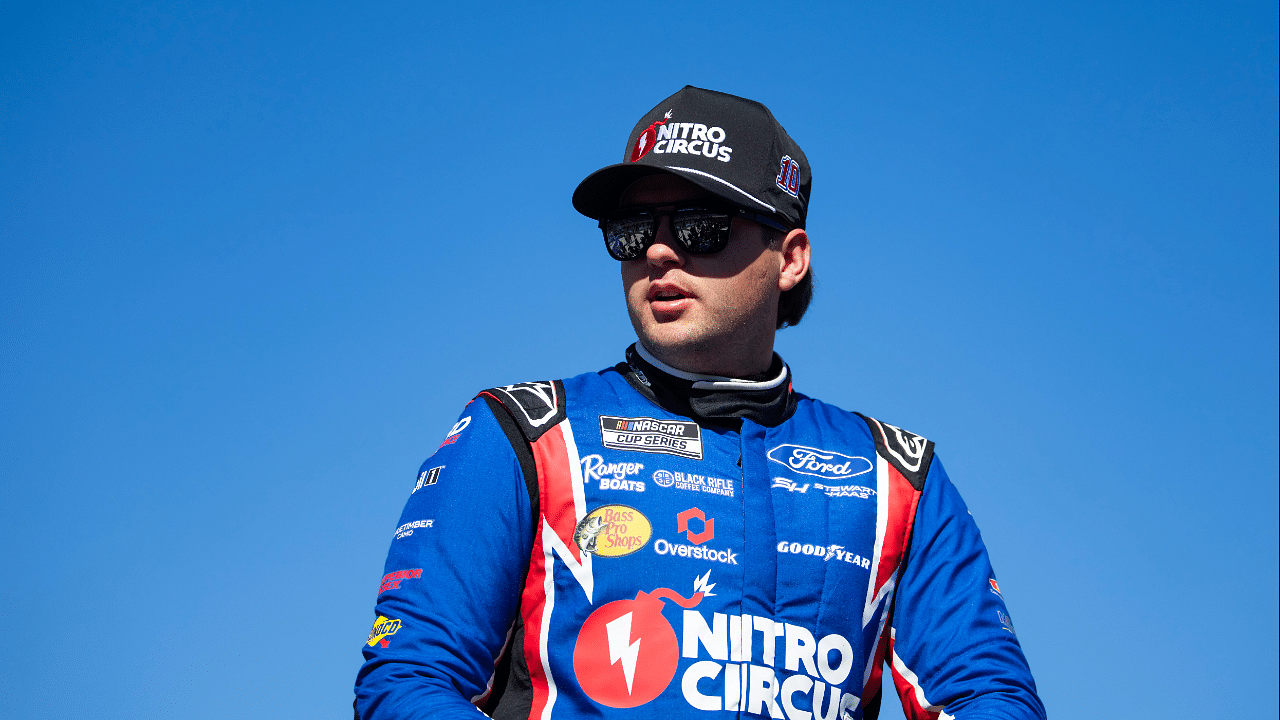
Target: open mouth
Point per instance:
(669, 295)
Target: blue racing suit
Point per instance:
(641, 542)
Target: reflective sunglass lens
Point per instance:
(628, 237)
(701, 232)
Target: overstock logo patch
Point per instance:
(673, 437)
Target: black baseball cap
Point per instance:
(729, 146)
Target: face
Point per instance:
(713, 314)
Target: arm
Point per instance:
(453, 578)
(953, 651)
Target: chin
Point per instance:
(672, 341)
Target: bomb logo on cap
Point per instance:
(648, 139)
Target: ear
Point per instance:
(794, 259)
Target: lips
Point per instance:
(668, 297)
(667, 291)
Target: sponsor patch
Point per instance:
(708, 531)
(407, 529)
(391, 581)
(792, 485)
(611, 476)
(673, 437)
(826, 552)
(645, 142)
(995, 588)
(455, 432)
(626, 653)
(1006, 622)
(694, 482)
(825, 464)
(428, 477)
(662, 546)
(613, 531)
(698, 529)
(858, 491)
(683, 138)
(383, 628)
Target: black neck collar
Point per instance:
(712, 400)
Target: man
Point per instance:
(683, 535)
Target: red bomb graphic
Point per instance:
(627, 651)
(648, 139)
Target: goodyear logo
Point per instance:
(613, 531)
(383, 628)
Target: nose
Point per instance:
(665, 250)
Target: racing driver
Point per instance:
(684, 535)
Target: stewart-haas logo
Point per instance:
(826, 464)
(682, 138)
(627, 654)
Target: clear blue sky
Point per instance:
(254, 259)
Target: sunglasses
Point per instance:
(699, 229)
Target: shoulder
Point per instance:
(909, 453)
(540, 405)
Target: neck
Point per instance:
(703, 381)
(712, 399)
(721, 362)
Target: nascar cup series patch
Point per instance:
(673, 437)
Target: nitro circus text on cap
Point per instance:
(729, 146)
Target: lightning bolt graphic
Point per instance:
(644, 140)
(700, 585)
(619, 631)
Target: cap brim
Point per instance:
(599, 193)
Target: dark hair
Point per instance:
(793, 303)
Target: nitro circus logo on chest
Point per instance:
(682, 138)
(611, 476)
(627, 654)
(613, 531)
(825, 464)
(673, 437)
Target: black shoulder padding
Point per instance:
(536, 406)
(521, 447)
(909, 453)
